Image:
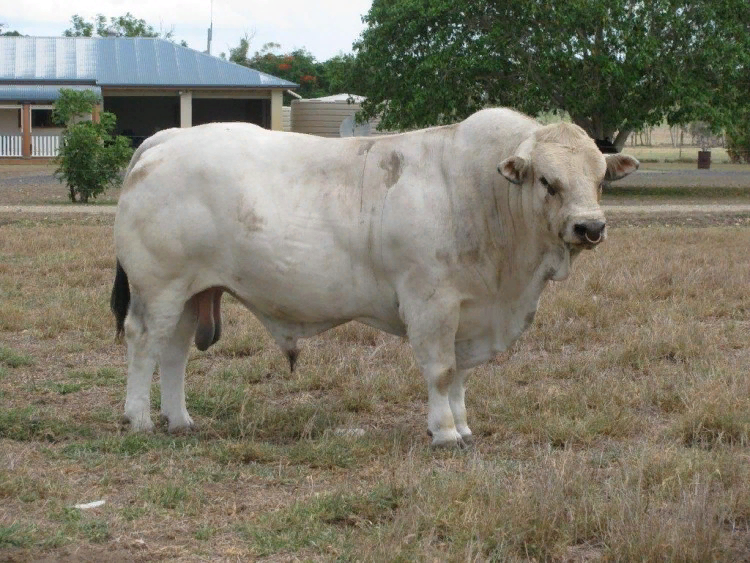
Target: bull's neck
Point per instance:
(524, 252)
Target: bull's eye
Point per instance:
(550, 189)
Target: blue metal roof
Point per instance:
(36, 93)
(122, 62)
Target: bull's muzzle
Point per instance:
(590, 232)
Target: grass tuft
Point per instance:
(26, 424)
(16, 535)
(322, 521)
(13, 359)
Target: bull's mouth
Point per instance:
(578, 245)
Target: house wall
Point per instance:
(9, 122)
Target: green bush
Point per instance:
(90, 158)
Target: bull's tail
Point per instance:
(120, 299)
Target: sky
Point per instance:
(324, 27)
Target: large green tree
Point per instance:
(613, 65)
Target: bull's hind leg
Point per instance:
(141, 364)
(172, 365)
(148, 328)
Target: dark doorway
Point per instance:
(139, 117)
(211, 110)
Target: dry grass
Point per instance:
(616, 429)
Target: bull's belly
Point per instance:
(313, 292)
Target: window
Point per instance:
(42, 118)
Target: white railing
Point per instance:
(45, 145)
(11, 145)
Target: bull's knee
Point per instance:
(134, 328)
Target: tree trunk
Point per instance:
(595, 129)
(622, 136)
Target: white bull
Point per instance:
(446, 235)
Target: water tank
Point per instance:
(331, 116)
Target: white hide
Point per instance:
(416, 234)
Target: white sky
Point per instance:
(324, 27)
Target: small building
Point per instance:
(331, 116)
(150, 84)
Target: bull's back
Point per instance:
(261, 213)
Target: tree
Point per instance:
(90, 158)
(614, 65)
(9, 33)
(297, 66)
(738, 137)
(338, 75)
(121, 26)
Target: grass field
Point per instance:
(617, 428)
(688, 155)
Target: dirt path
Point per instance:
(658, 209)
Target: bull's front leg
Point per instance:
(431, 328)
(458, 407)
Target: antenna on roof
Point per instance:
(210, 29)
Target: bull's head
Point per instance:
(561, 171)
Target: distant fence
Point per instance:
(45, 145)
(10, 145)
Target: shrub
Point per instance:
(90, 158)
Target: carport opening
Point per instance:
(139, 117)
(211, 110)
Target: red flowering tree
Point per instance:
(297, 66)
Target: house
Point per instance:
(149, 84)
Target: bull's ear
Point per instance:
(513, 169)
(619, 166)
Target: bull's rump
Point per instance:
(292, 224)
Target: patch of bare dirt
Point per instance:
(35, 184)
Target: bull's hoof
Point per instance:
(449, 439)
(467, 437)
(183, 425)
(137, 424)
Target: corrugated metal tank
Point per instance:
(286, 118)
(330, 117)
